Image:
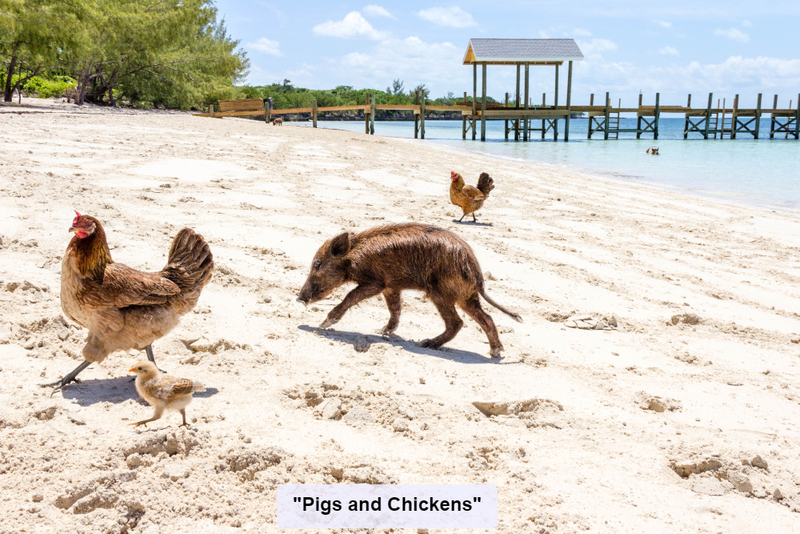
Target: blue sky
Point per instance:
(673, 47)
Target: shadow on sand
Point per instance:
(114, 390)
(473, 223)
(455, 355)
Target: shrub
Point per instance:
(42, 88)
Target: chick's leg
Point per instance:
(183, 413)
(149, 350)
(72, 377)
(156, 415)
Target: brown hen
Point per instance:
(121, 307)
(469, 199)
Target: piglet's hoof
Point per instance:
(327, 323)
(428, 344)
(495, 353)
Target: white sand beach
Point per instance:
(682, 418)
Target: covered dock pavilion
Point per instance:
(522, 53)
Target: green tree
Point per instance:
(32, 33)
(170, 52)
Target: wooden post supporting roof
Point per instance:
(555, 121)
(569, 95)
(483, 102)
(525, 120)
(516, 106)
(474, 96)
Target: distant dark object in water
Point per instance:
(653, 151)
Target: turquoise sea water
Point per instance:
(763, 172)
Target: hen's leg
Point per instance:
(69, 378)
(462, 217)
(149, 350)
(473, 217)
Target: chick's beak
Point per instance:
(132, 370)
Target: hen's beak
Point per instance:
(72, 229)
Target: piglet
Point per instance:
(388, 259)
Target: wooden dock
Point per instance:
(711, 121)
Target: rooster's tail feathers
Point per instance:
(485, 184)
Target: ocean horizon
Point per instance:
(760, 172)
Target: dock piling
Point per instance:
(314, 112)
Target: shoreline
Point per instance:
(684, 414)
(752, 199)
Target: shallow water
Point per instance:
(763, 172)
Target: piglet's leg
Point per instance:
(452, 322)
(392, 298)
(361, 292)
(473, 308)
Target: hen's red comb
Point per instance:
(76, 214)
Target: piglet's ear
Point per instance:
(340, 245)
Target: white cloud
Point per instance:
(353, 26)
(746, 23)
(664, 23)
(266, 46)
(733, 34)
(437, 65)
(454, 17)
(377, 11)
(596, 47)
(543, 35)
(582, 33)
(669, 51)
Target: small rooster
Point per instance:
(121, 307)
(469, 199)
(163, 392)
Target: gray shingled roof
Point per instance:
(522, 50)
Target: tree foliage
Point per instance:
(146, 52)
(285, 96)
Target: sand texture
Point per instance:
(653, 386)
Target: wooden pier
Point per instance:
(715, 120)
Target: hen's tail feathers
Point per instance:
(485, 184)
(513, 315)
(190, 266)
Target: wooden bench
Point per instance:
(242, 107)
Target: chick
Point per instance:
(162, 391)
